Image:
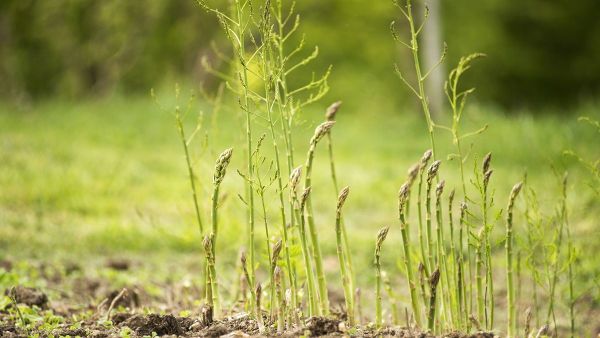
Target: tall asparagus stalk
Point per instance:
(431, 174)
(511, 324)
(381, 235)
(487, 173)
(219, 175)
(570, 254)
(313, 296)
(423, 239)
(402, 198)
(433, 283)
(330, 116)
(320, 132)
(212, 292)
(346, 278)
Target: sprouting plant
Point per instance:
(421, 76)
(236, 27)
(275, 252)
(484, 266)
(259, 317)
(186, 141)
(330, 115)
(320, 132)
(345, 274)
(570, 255)
(561, 218)
(458, 99)
(464, 271)
(381, 235)
(267, 76)
(433, 283)
(528, 317)
(479, 274)
(13, 299)
(402, 199)
(454, 270)
(486, 204)
(511, 313)
(260, 38)
(212, 292)
(252, 290)
(219, 175)
(210, 240)
(280, 301)
(431, 175)
(423, 236)
(533, 220)
(290, 101)
(441, 260)
(260, 183)
(300, 210)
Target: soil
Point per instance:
(83, 305)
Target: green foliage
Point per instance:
(76, 48)
(539, 52)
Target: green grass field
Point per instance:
(106, 178)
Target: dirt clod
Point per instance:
(216, 330)
(130, 299)
(6, 264)
(69, 333)
(118, 264)
(321, 326)
(120, 317)
(28, 296)
(146, 324)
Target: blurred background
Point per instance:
(540, 53)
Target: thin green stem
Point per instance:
(378, 300)
(433, 283)
(345, 243)
(321, 131)
(312, 292)
(402, 198)
(190, 168)
(511, 321)
(420, 79)
(346, 278)
(246, 107)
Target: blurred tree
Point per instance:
(539, 52)
(81, 47)
(549, 52)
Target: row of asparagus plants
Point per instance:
(448, 269)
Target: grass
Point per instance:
(57, 199)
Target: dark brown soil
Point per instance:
(83, 300)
